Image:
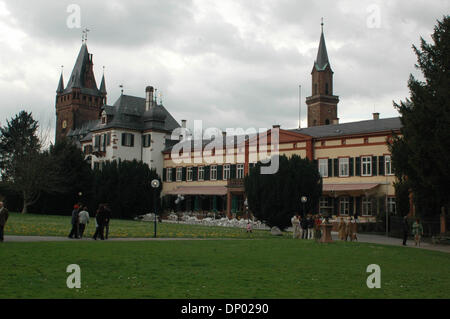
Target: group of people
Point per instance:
(348, 230)
(80, 219)
(307, 227)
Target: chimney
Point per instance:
(376, 116)
(148, 97)
(183, 123)
(276, 126)
(336, 121)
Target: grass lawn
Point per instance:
(267, 268)
(46, 225)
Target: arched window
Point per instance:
(326, 88)
(327, 122)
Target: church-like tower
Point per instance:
(322, 104)
(81, 100)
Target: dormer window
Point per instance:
(104, 117)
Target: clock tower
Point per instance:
(80, 101)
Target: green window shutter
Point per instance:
(108, 139)
(233, 171)
(123, 139)
(374, 166)
(358, 166)
(330, 167)
(195, 173)
(351, 200)
(358, 206)
(219, 172)
(132, 140)
(336, 206)
(206, 173)
(183, 174)
(174, 174)
(336, 167)
(164, 174)
(351, 165)
(381, 165)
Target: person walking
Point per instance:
(295, 226)
(317, 231)
(304, 225)
(355, 228)
(405, 230)
(107, 218)
(100, 219)
(417, 230)
(341, 229)
(310, 227)
(349, 230)
(83, 220)
(74, 230)
(4, 214)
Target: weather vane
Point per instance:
(121, 87)
(321, 23)
(85, 35)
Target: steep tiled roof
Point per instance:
(361, 127)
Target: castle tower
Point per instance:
(81, 100)
(322, 104)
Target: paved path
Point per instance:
(53, 239)
(365, 238)
(378, 239)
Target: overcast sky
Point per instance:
(228, 63)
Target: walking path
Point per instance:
(365, 238)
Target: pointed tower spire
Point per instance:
(322, 55)
(103, 84)
(60, 88)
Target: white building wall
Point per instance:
(153, 155)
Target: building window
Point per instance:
(214, 172)
(189, 174)
(201, 173)
(146, 140)
(179, 174)
(103, 142)
(323, 167)
(366, 207)
(97, 143)
(391, 207)
(344, 206)
(127, 139)
(103, 118)
(344, 141)
(326, 88)
(226, 172)
(366, 140)
(315, 88)
(387, 165)
(169, 174)
(343, 167)
(240, 171)
(323, 205)
(366, 166)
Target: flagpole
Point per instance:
(299, 106)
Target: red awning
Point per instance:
(198, 190)
(349, 187)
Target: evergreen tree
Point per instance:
(421, 154)
(25, 168)
(275, 198)
(126, 186)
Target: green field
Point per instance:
(46, 225)
(268, 268)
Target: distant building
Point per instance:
(353, 158)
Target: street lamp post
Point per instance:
(246, 209)
(304, 199)
(155, 185)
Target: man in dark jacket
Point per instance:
(304, 223)
(4, 214)
(100, 219)
(405, 229)
(75, 223)
(107, 219)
